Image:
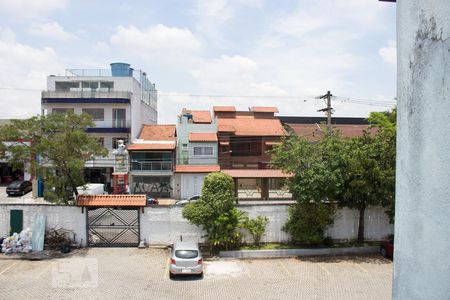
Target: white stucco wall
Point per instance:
(164, 225)
(67, 217)
(422, 229)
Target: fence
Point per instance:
(165, 224)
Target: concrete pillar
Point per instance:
(422, 220)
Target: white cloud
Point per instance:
(101, 47)
(226, 69)
(389, 53)
(24, 70)
(51, 30)
(171, 45)
(213, 15)
(31, 9)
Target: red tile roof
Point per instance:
(197, 168)
(151, 146)
(201, 116)
(158, 133)
(251, 126)
(226, 128)
(256, 173)
(111, 200)
(224, 108)
(314, 132)
(264, 109)
(202, 137)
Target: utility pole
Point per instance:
(327, 109)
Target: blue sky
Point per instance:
(280, 53)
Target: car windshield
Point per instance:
(186, 253)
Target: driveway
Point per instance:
(25, 199)
(104, 273)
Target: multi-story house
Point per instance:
(120, 100)
(197, 150)
(314, 128)
(152, 161)
(244, 138)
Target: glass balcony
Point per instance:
(155, 166)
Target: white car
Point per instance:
(185, 258)
(188, 200)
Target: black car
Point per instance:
(19, 188)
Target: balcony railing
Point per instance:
(86, 93)
(155, 166)
(111, 123)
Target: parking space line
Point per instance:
(246, 270)
(361, 268)
(166, 269)
(7, 268)
(323, 268)
(286, 270)
(46, 268)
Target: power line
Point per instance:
(362, 101)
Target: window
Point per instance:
(203, 150)
(61, 110)
(101, 141)
(89, 85)
(115, 141)
(98, 114)
(106, 85)
(246, 147)
(67, 85)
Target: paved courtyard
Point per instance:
(119, 273)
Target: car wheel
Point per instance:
(383, 251)
(171, 276)
(200, 275)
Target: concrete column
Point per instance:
(422, 221)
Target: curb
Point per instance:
(297, 252)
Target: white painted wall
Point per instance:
(67, 217)
(164, 225)
(422, 229)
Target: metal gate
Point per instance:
(113, 227)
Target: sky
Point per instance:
(202, 53)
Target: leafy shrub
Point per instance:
(308, 221)
(256, 227)
(215, 213)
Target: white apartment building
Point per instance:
(119, 99)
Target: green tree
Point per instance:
(387, 122)
(316, 183)
(215, 212)
(369, 177)
(353, 172)
(57, 145)
(256, 227)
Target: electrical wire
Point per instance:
(302, 98)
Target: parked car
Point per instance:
(19, 188)
(387, 248)
(152, 200)
(185, 258)
(188, 200)
(92, 189)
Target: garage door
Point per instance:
(113, 227)
(191, 184)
